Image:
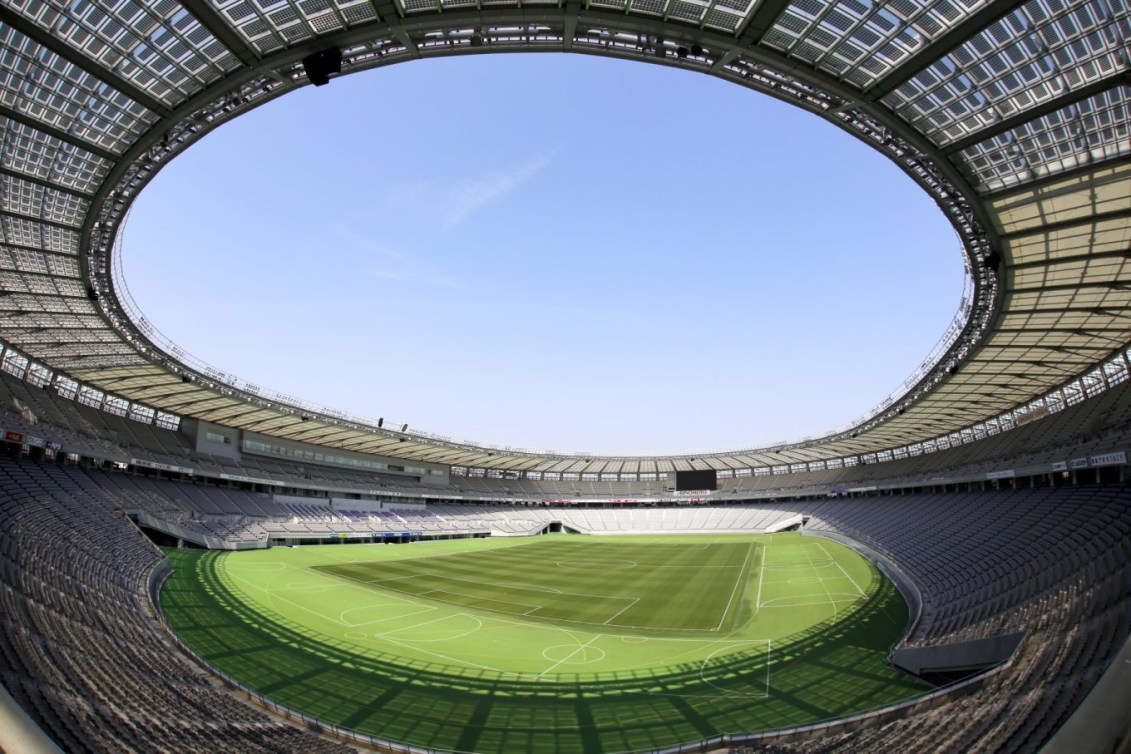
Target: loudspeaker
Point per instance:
(319, 65)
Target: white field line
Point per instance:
(800, 601)
(382, 581)
(530, 605)
(828, 594)
(415, 626)
(709, 657)
(697, 567)
(448, 658)
(348, 624)
(341, 581)
(271, 594)
(580, 647)
(737, 582)
(769, 647)
(618, 612)
(838, 565)
(761, 575)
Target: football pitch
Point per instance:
(556, 643)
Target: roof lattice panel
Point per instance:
(1014, 116)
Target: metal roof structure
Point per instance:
(1014, 116)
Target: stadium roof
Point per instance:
(1013, 116)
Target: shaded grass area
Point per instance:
(829, 665)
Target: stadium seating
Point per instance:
(82, 648)
(82, 644)
(1100, 424)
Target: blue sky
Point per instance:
(556, 252)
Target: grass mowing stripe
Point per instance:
(570, 584)
(739, 580)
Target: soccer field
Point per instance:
(657, 585)
(556, 644)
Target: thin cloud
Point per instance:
(394, 265)
(368, 244)
(473, 195)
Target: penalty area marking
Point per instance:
(815, 565)
(452, 636)
(351, 624)
(838, 565)
(811, 600)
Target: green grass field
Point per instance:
(550, 644)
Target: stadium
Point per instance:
(194, 562)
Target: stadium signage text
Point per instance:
(1103, 459)
(161, 466)
(1007, 474)
(250, 480)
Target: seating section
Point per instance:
(1054, 564)
(84, 653)
(1097, 425)
(81, 648)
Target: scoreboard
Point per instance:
(696, 480)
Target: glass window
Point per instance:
(115, 405)
(88, 396)
(39, 375)
(66, 387)
(143, 414)
(14, 363)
